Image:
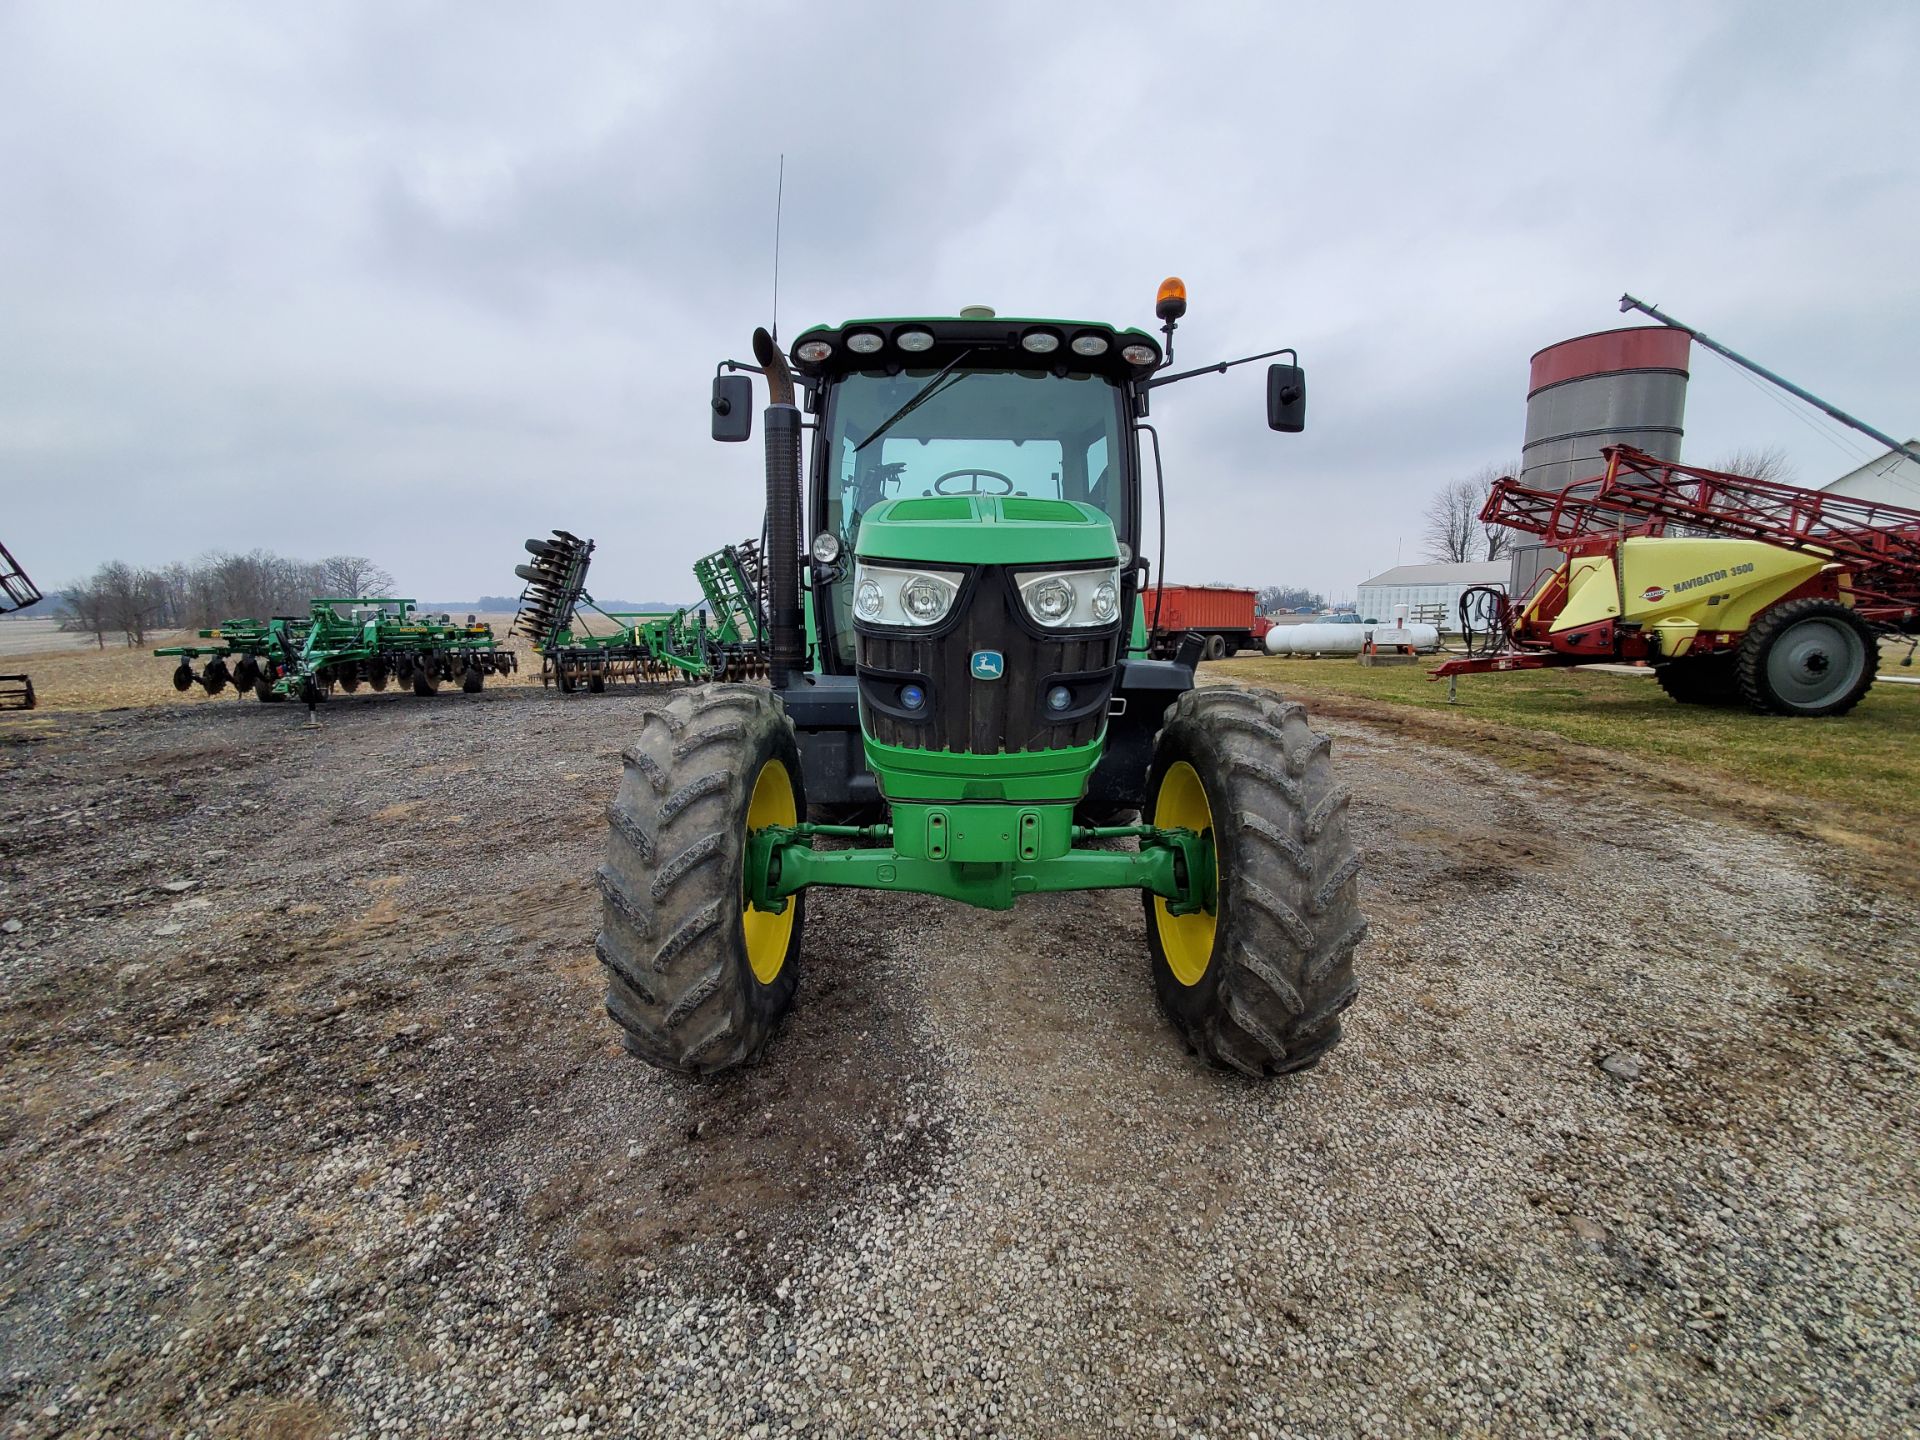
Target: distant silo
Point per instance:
(1619, 387)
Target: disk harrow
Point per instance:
(344, 643)
(720, 639)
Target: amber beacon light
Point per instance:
(1171, 302)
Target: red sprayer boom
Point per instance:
(1640, 495)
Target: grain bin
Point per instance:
(1617, 387)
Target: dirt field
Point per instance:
(31, 634)
(311, 1123)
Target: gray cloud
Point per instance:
(420, 280)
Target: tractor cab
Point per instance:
(973, 536)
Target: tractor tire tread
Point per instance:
(1289, 920)
(621, 973)
(705, 848)
(675, 845)
(686, 935)
(1289, 848)
(619, 903)
(632, 832)
(716, 783)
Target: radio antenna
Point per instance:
(779, 198)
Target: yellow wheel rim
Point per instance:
(1186, 940)
(768, 935)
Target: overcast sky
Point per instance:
(418, 280)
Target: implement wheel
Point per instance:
(1259, 982)
(426, 680)
(1808, 657)
(1700, 680)
(696, 980)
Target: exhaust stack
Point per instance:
(787, 654)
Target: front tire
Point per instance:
(1258, 984)
(696, 980)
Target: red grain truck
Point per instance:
(1224, 614)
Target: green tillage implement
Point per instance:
(343, 642)
(722, 639)
(961, 704)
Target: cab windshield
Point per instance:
(974, 431)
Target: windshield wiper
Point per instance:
(919, 398)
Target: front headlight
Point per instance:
(887, 595)
(1070, 599)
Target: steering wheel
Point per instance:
(939, 486)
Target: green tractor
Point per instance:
(962, 705)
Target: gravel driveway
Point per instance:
(311, 1123)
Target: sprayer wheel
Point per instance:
(1808, 658)
(1700, 680)
(1258, 983)
(697, 980)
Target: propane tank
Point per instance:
(1316, 639)
(1409, 637)
(1349, 639)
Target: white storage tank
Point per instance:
(1348, 639)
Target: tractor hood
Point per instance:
(986, 530)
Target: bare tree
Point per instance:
(136, 599)
(1760, 463)
(1453, 518)
(122, 599)
(117, 598)
(1272, 599)
(353, 575)
(86, 611)
(1454, 531)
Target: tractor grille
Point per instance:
(986, 717)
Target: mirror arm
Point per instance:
(725, 365)
(1219, 369)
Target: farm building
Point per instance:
(1889, 479)
(1422, 587)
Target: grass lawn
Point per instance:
(1858, 775)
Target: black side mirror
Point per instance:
(732, 407)
(1286, 398)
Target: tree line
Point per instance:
(130, 602)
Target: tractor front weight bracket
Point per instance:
(1175, 864)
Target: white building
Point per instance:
(1890, 479)
(1424, 586)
